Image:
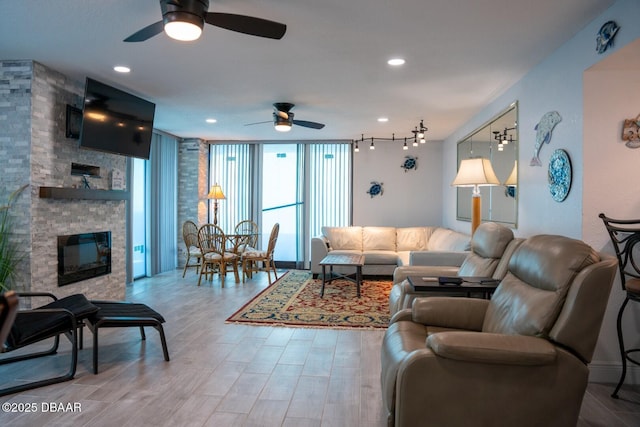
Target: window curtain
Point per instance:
(329, 186)
(231, 167)
(163, 200)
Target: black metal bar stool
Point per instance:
(625, 234)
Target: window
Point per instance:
(301, 186)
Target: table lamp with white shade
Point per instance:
(475, 172)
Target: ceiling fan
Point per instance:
(283, 118)
(184, 19)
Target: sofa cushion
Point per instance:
(530, 297)
(404, 257)
(346, 252)
(411, 238)
(380, 257)
(444, 239)
(378, 239)
(344, 237)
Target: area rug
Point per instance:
(294, 300)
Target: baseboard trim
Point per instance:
(600, 372)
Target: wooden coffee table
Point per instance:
(332, 260)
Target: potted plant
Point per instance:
(9, 255)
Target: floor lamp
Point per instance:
(215, 194)
(474, 173)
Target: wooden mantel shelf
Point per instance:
(82, 193)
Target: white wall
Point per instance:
(410, 198)
(611, 95)
(557, 84)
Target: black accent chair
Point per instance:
(8, 309)
(31, 326)
(625, 235)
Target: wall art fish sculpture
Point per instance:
(543, 134)
(605, 36)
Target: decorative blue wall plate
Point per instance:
(375, 189)
(559, 175)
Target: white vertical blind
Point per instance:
(163, 161)
(231, 168)
(324, 187)
(329, 186)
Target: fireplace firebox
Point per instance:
(83, 256)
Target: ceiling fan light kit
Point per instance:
(184, 19)
(182, 31)
(280, 124)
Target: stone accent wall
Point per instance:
(15, 146)
(47, 158)
(193, 181)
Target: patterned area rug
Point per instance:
(294, 300)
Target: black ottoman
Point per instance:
(113, 314)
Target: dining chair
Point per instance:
(251, 258)
(246, 233)
(190, 237)
(215, 254)
(625, 235)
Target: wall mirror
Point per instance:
(496, 140)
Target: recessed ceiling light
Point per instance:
(211, 121)
(396, 62)
(122, 69)
(383, 119)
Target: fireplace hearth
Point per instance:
(83, 256)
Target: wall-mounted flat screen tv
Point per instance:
(115, 121)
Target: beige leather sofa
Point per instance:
(491, 248)
(519, 359)
(385, 248)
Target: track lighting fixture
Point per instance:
(417, 138)
(503, 138)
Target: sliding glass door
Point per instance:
(301, 186)
(282, 202)
(139, 217)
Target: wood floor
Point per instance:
(231, 375)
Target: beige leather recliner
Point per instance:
(491, 247)
(519, 359)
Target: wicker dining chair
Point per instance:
(246, 236)
(252, 258)
(190, 236)
(215, 254)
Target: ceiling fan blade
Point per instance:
(259, 123)
(146, 33)
(307, 124)
(247, 24)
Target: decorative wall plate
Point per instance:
(375, 189)
(410, 162)
(559, 175)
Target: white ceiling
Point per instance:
(460, 55)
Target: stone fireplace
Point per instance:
(36, 151)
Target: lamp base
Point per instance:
(476, 212)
